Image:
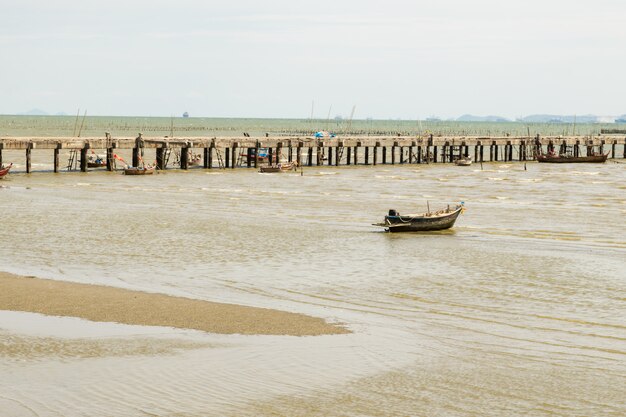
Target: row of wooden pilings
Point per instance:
(230, 152)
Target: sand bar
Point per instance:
(110, 304)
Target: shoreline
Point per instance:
(100, 303)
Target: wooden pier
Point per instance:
(232, 152)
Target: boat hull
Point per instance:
(139, 171)
(5, 170)
(572, 159)
(422, 223)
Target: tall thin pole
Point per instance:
(82, 123)
(76, 122)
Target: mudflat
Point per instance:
(109, 304)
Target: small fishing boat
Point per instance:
(139, 170)
(101, 164)
(463, 162)
(567, 159)
(96, 161)
(438, 220)
(286, 167)
(5, 170)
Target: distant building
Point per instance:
(185, 114)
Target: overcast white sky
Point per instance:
(273, 58)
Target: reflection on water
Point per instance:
(518, 309)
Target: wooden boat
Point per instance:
(95, 161)
(139, 170)
(566, 159)
(463, 162)
(439, 220)
(98, 163)
(5, 170)
(289, 166)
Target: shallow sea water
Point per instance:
(519, 309)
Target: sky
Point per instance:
(391, 59)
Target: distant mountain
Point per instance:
(472, 118)
(559, 118)
(34, 112)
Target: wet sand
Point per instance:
(108, 304)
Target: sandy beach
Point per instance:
(108, 304)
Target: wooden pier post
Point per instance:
(330, 155)
(419, 154)
(624, 155)
(338, 155)
(289, 153)
(401, 155)
(577, 149)
(109, 152)
(136, 150)
(613, 146)
(209, 163)
(257, 147)
(205, 156)
(451, 159)
(249, 157)
(495, 150)
(55, 162)
(234, 155)
(377, 144)
(367, 155)
(310, 156)
(83, 158)
(393, 154)
(227, 157)
(110, 159)
(270, 155)
(384, 155)
(510, 155)
(299, 153)
(434, 154)
(184, 158)
(28, 158)
(356, 155)
(348, 155)
(160, 158)
(1, 147)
